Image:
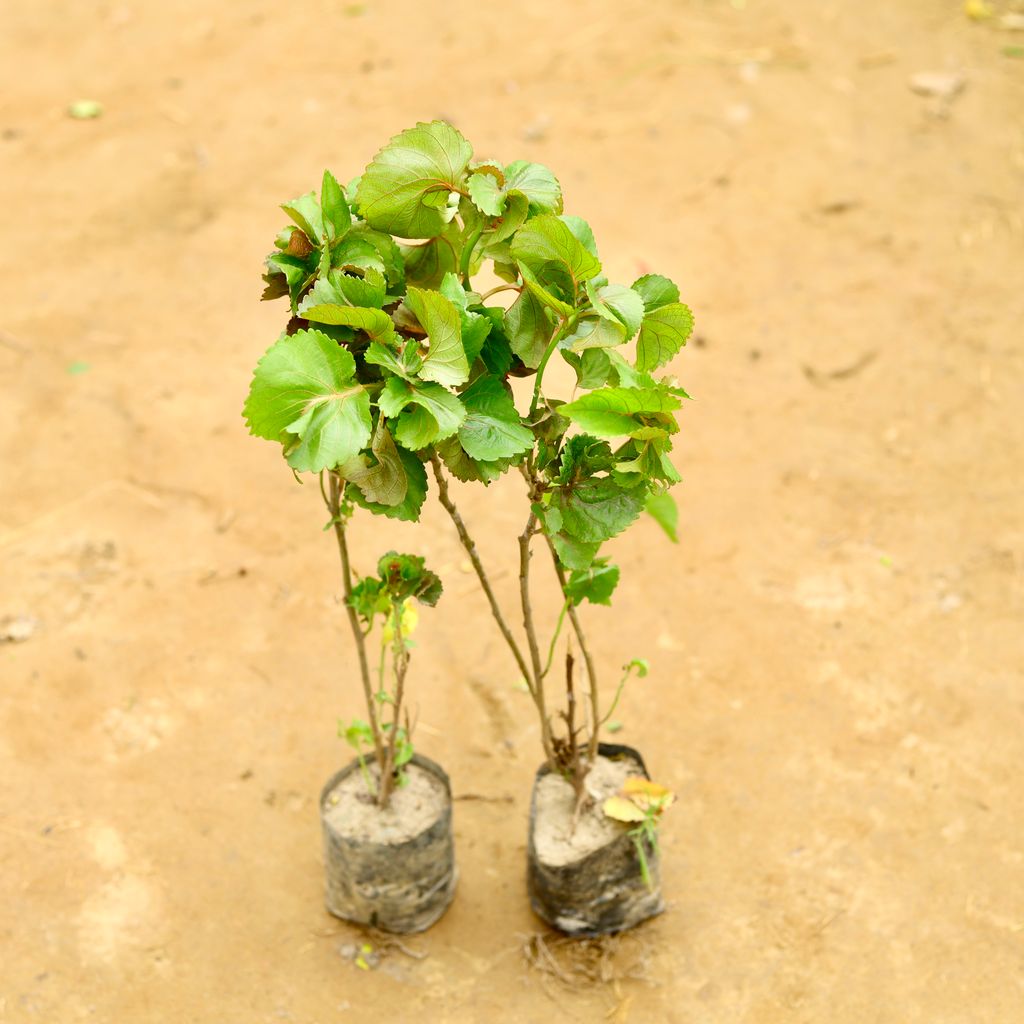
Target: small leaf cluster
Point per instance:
(400, 578)
(391, 358)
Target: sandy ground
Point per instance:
(836, 644)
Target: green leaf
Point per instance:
(407, 510)
(573, 553)
(582, 232)
(405, 189)
(655, 291)
(406, 576)
(596, 333)
(427, 263)
(375, 322)
(333, 209)
(475, 326)
(662, 508)
(437, 414)
(465, 468)
(620, 304)
(304, 394)
(339, 288)
(537, 183)
(662, 334)
(496, 353)
(486, 194)
(597, 508)
(616, 412)
(305, 211)
(404, 362)
(547, 241)
(493, 428)
(385, 481)
(595, 584)
(445, 361)
(298, 271)
(592, 367)
(528, 329)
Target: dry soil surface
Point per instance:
(835, 645)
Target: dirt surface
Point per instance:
(835, 646)
(351, 811)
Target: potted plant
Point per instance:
(386, 817)
(384, 269)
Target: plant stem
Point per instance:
(587, 658)
(470, 545)
(552, 344)
(334, 507)
(554, 638)
(500, 288)
(400, 662)
(467, 255)
(531, 633)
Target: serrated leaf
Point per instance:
(582, 232)
(463, 467)
(517, 209)
(663, 510)
(339, 288)
(598, 508)
(375, 322)
(528, 329)
(385, 481)
(299, 272)
(403, 362)
(475, 326)
(595, 584)
(409, 509)
(405, 189)
(493, 428)
(305, 211)
(427, 263)
(537, 184)
(486, 194)
(334, 210)
(619, 303)
(662, 334)
(304, 394)
(445, 361)
(547, 242)
(655, 291)
(574, 553)
(597, 333)
(617, 412)
(437, 413)
(592, 367)
(622, 809)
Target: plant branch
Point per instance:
(400, 660)
(531, 633)
(588, 659)
(556, 337)
(554, 638)
(334, 507)
(470, 545)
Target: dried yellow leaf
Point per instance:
(622, 809)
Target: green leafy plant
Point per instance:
(384, 600)
(393, 360)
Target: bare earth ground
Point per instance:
(836, 644)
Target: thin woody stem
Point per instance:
(531, 633)
(470, 545)
(588, 660)
(400, 660)
(333, 503)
